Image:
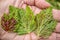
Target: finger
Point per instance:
(52, 37)
(56, 14)
(24, 6)
(42, 4)
(30, 2)
(8, 36)
(38, 3)
(17, 3)
(33, 8)
(27, 37)
(58, 28)
(20, 4)
(19, 37)
(30, 36)
(57, 36)
(37, 11)
(33, 36)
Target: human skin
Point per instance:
(36, 6)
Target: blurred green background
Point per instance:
(55, 3)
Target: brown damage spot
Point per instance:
(8, 25)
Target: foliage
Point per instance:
(45, 23)
(42, 24)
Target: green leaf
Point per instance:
(45, 23)
(25, 20)
(42, 24)
(30, 19)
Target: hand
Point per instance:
(36, 6)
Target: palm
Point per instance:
(35, 6)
